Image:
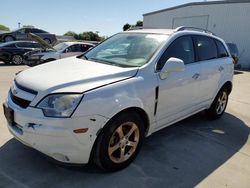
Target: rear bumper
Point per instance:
(55, 137)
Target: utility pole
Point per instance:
(19, 25)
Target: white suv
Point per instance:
(103, 104)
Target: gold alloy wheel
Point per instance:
(222, 102)
(123, 142)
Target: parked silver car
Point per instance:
(59, 51)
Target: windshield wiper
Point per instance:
(101, 61)
(82, 56)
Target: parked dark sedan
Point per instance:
(12, 52)
(22, 34)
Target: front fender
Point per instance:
(109, 100)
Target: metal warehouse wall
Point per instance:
(229, 21)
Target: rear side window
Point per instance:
(222, 52)
(84, 47)
(74, 48)
(206, 48)
(181, 48)
(24, 45)
(36, 45)
(37, 31)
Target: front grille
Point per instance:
(19, 101)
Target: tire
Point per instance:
(8, 38)
(17, 59)
(47, 40)
(219, 104)
(114, 150)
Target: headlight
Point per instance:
(60, 105)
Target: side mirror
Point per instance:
(66, 50)
(172, 65)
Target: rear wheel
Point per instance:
(219, 104)
(47, 40)
(8, 38)
(119, 142)
(17, 59)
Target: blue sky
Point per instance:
(60, 16)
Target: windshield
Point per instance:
(126, 49)
(60, 46)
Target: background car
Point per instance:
(13, 52)
(234, 52)
(22, 34)
(59, 51)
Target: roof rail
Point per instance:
(135, 28)
(182, 28)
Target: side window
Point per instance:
(24, 45)
(22, 31)
(73, 48)
(36, 45)
(182, 48)
(27, 30)
(34, 31)
(206, 48)
(222, 52)
(85, 47)
(37, 31)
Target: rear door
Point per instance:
(212, 68)
(178, 92)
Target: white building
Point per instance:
(229, 20)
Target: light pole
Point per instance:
(19, 25)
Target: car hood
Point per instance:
(49, 53)
(72, 75)
(39, 40)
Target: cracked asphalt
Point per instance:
(194, 152)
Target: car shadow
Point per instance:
(181, 155)
(238, 72)
(9, 65)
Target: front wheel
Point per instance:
(219, 104)
(119, 142)
(17, 59)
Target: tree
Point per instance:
(139, 23)
(89, 36)
(126, 27)
(72, 34)
(4, 28)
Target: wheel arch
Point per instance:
(228, 85)
(142, 113)
(9, 35)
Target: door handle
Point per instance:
(196, 76)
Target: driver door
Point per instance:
(178, 92)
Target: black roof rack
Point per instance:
(135, 28)
(182, 28)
